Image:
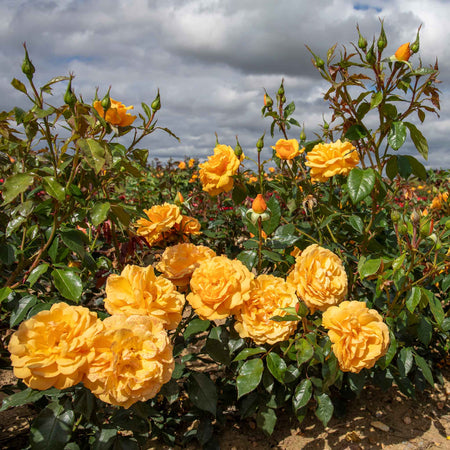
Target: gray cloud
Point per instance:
(211, 59)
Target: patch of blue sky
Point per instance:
(365, 7)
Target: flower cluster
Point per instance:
(165, 221)
(216, 174)
(122, 360)
(327, 160)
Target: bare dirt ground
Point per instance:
(376, 419)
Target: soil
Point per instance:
(376, 419)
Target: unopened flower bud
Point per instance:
(179, 198)
(425, 228)
(370, 55)
(447, 224)
(268, 100)
(281, 89)
(238, 149)
(260, 143)
(403, 53)
(27, 66)
(395, 216)
(69, 97)
(283, 99)
(156, 104)
(416, 44)
(259, 205)
(415, 217)
(362, 41)
(382, 40)
(303, 135)
(106, 101)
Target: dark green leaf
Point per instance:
(94, 153)
(15, 185)
(356, 381)
(419, 139)
(244, 354)
(19, 313)
(360, 183)
(325, 408)
(367, 267)
(249, 377)
(302, 395)
(36, 273)
(4, 293)
(17, 84)
(121, 214)
(377, 97)
(271, 225)
(68, 284)
(75, 240)
(52, 428)
(392, 167)
(418, 169)
(305, 351)
(99, 212)
(404, 166)
(425, 368)
(202, 392)
(355, 132)
(7, 254)
(15, 222)
(413, 298)
(266, 420)
(425, 330)
(196, 326)
(147, 110)
(248, 258)
(217, 345)
(276, 366)
(356, 223)
(435, 306)
(22, 398)
(397, 135)
(405, 361)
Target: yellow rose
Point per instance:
(182, 165)
(359, 335)
(218, 286)
(216, 174)
(259, 205)
(403, 53)
(131, 360)
(287, 149)
(116, 115)
(52, 348)
(188, 225)
(438, 201)
(319, 278)
(138, 291)
(191, 163)
(161, 218)
(327, 160)
(268, 295)
(179, 262)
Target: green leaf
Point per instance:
(367, 267)
(377, 97)
(249, 377)
(271, 225)
(202, 392)
(196, 326)
(239, 193)
(404, 166)
(15, 185)
(52, 428)
(276, 365)
(305, 351)
(248, 258)
(355, 133)
(75, 240)
(357, 381)
(68, 284)
(4, 293)
(325, 408)
(266, 420)
(22, 398)
(17, 84)
(94, 153)
(419, 139)
(356, 223)
(244, 354)
(435, 306)
(36, 273)
(418, 169)
(360, 183)
(413, 298)
(121, 214)
(392, 167)
(19, 313)
(53, 188)
(425, 368)
(405, 361)
(216, 345)
(147, 110)
(425, 330)
(15, 222)
(302, 395)
(397, 135)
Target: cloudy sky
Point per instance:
(211, 59)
